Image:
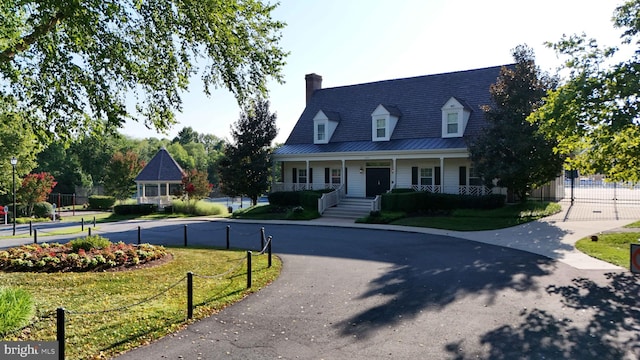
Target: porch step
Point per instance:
(350, 208)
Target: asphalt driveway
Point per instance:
(380, 294)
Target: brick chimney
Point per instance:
(314, 82)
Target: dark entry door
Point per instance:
(378, 181)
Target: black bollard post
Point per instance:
(189, 295)
(60, 332)
(82, 224)
(270, 241)
(139, 235)
(185, 236)
(248, 269)
(35, 236)
(89, 231)
(30, 227)
(94, 221)
(228, 231)
(262, 238)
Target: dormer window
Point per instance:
(383, 121)
(324, 124)
(455, 115)
(321, 134)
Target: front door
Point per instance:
(378, 181)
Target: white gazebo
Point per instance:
(159, 180)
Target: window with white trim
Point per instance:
(426, 176)
(381, 128)
(335, 176)
(321, 132)
(302, 176)
(452, 123)
(474, 177)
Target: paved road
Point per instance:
(381, 294)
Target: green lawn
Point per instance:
(475, 220)
(613, 248)
(270, 212)
(91, 332)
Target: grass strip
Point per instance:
(613, 248)
(91, 332)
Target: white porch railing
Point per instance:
(475, 190)
(376, 204)
(161, 201)
(330, 199)
(302, 186)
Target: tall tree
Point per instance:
(16, 140)
(120, 174)
(246, 166)
(72, 66)
(509, 149)
(187, 135)
(595, 115)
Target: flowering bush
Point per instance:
(63, 258)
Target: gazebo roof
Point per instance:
(161, 168)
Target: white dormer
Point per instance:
(455, 116)
(383, 122)
(324, 124)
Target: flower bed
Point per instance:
(63, 258)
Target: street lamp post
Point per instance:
(14, 162)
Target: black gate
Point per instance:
(378, 181)
(595, 188)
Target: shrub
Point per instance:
(100, 202)
(90, 242)
(17, 307)
(200, 208)
(42, 210)
(426, 202)
(136, 209)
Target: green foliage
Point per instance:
(35, 188)
(90, 242)
(105, 335)
(72, 66)
(100, 202)
(307, 198)
(120, 174)
(135, 209)
(481, 219)
(431, 203)
(246, 166)
(42, 210)
(17, 307)
(195, 185)
(613, 248)
(594, 115)
(510, 149)
(16, 139)
(382, 217)
(200, 208)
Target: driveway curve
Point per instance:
(380, 294)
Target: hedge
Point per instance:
(100, 202)
(135, 209)
(306, 198)
(426, 202)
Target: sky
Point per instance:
(358, 41)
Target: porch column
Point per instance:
(343, 172)
(394, 173)
(307, 165)
(441, 174)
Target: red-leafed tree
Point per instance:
(195, 185)
(35, 188)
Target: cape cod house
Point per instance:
(159, 180)
(366, 139)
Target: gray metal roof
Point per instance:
(366, 146)
(417, 101)
(161, 168)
